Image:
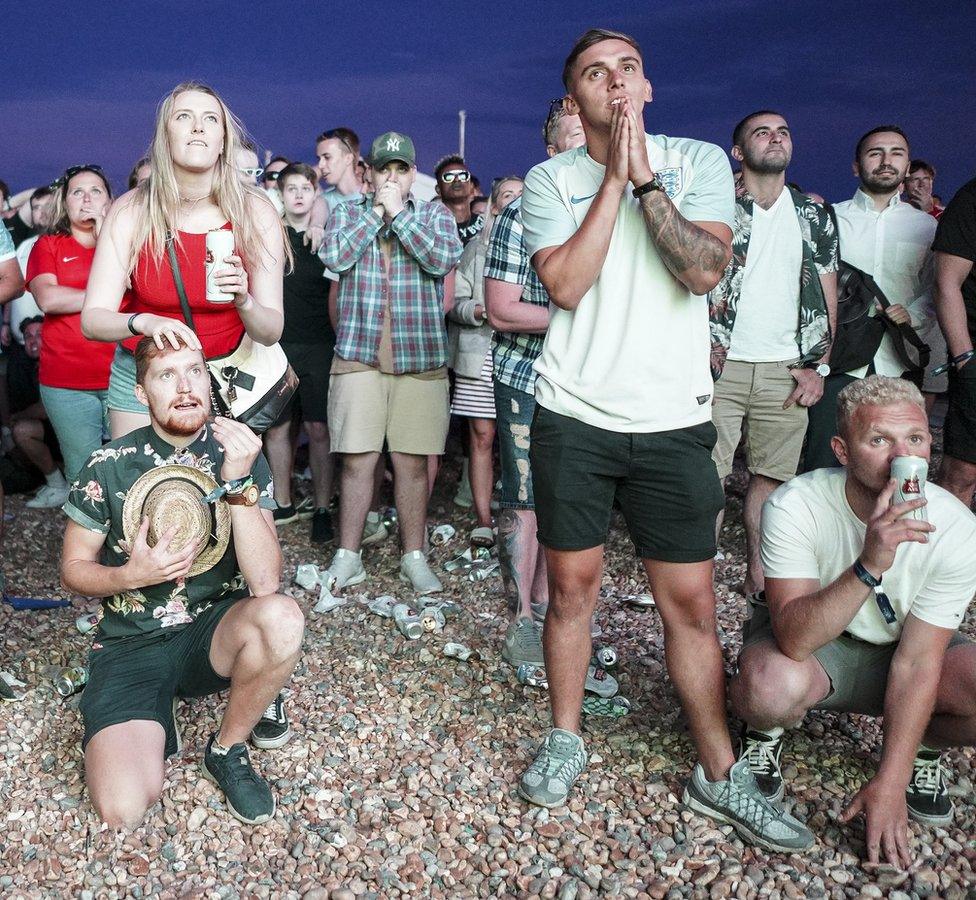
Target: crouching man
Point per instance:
(179, 512)
(863, 606)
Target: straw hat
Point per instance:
(171, 495)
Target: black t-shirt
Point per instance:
(957, 235)
(306, 297)
(19, 229)
(470, 229)
(22, 385)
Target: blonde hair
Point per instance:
(875, 390)
(485, 234)
(158, 197)
(60, 223)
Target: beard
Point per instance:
(771, 164)
(881, 183)
(180, 422)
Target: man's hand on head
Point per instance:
(241, 447)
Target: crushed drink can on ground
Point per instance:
(469, 557)
(407, 621)
(86, 622)
(383, 606)
(442, 534)
(483, 571)
(534, 676)
(612, 707)
(327, 602)
(639, 601)
(70, 680)
(461, 652)
(432, 619)
(605, 658)
(307, 576)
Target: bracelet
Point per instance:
(880, 597)
(864, 575)
(129, 323)
(653, 185)
(961, 358)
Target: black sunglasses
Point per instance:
(336, 135)
(271, 176)
(555, 107)
(71, 171)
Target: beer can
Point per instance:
(461, 652)
(534, 676)
(86, 622)
(605, 658)
(910, 474)
(307, 576)
(432, 619)
(407, 621)
(442, 534)
(383, 606)
(71, 680)
(483, 571)
(220, 245)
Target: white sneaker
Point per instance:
(48, 498)
(374, 533)
(347, 569)
(415, 572)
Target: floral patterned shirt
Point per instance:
(819, 258)
(95, 502)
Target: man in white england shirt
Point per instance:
(624, 233)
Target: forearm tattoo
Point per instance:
(510, 556)
(682, 244)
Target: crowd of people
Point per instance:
(619, 323)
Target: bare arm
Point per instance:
(828, 281)
(11, 279)
(950, 273)
(507, 312)
(262, 308)
(257, 548)
(52, 297)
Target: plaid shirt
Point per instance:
(425, 250)
(514, 352)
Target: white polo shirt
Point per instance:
(634, 354)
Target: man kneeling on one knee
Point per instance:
(179, 512)
(863, 605)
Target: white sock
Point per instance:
(56, 479)
(773, 732)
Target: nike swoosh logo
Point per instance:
(582, 199)
(68, 258)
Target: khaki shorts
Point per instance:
(748, 402)
(858, 670)
(367, 408)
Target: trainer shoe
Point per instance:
(284, 515)
(738, 801)
(374, 532)
(601, 682)
(554, 770)
(249, 796)
(321, 526)
(762, 749)
(523, 643)
(415, 572)
(272, 729)
(346, 568)
(48, 497)
(927, 795)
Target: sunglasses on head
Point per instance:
(335, 135)
(253, 173)
(272, 176)
(555, 108)
(462, 175)
(71, 171)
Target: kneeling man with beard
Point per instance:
(172, 525)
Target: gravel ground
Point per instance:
(401, 777)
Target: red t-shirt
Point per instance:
(68, 358)
(218, 325)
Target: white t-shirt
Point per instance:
(633, 355)
(768, 313)
(24, 306)
(810, 531)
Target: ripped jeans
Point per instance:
(514, 410)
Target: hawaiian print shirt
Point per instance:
(820, 257)
(95, 502)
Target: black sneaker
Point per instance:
(272, 729)
(248, 795)
(285, 514)
(321, 526)
(927, 795)
(763, 751)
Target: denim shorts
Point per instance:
(122, 384)
(80, 421)
(514, 410)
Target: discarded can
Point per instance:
(600, 682)
(461, 652)
(307, 576)
(71, 680)
(640, 601)
(483, 572)
(605, 658)
(468, 558)
(534, 676)
(442, 534)
(432, 619)
(448, 608)
(407, 621)
(383, 606)
(86, 622)
(327, 602)
(388, 516)
(613, 707)
(220, 245)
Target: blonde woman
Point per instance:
(194, 188)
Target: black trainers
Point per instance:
(248, 795)
(272, 729)
(762, 752)
(321, 526)
(927, 795)
(285, 514)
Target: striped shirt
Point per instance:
(514, 351)
(425, 250)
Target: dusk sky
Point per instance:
(82, 87)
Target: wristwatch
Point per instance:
(238, 488)
(655, 184)
(246, 496)
(822, 369)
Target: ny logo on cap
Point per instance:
(393, 143)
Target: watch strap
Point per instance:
(655, 184)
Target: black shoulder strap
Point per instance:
(174, 265)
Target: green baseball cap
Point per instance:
(392, 146)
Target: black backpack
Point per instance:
(858, 333)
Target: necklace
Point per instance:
(193, 201)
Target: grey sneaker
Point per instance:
(374, 533)
(415, 572)
(523, 643)
(762, 751)
(48, 497)
(554, 770)
(739, 802)
(346, 568)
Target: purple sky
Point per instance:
(83, 88)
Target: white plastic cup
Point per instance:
(220, 245)
(910, 474)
